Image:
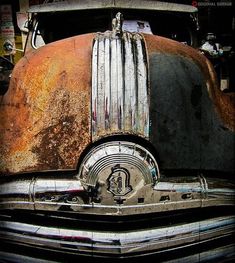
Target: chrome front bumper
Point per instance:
(65, 198)
(67, 193)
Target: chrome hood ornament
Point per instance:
(117, 24)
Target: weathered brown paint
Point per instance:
(224, 102)
(45, 115)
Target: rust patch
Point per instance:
(224, 102)
(45, 115)
(50, 142)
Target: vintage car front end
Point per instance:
(116, 144)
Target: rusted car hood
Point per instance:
(46, 116)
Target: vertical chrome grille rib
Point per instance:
(119, 85)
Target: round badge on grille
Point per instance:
(119, 167)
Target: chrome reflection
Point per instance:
(67, 193)
(120, 96)
(108, 156)
(121, 242)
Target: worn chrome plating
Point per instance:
(120, 97)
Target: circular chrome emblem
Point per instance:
(118, 169)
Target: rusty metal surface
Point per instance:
(224, 102)
(45, 115)
(114, 4)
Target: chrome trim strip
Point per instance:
(54, 194)
(107, 85)
(218, 253)
(94, 86)
(142, 86)
(130, 85)
(224, 254)
(120, 94)
(40, 185)
(128, 242)
(14, 257)
(179, 187)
